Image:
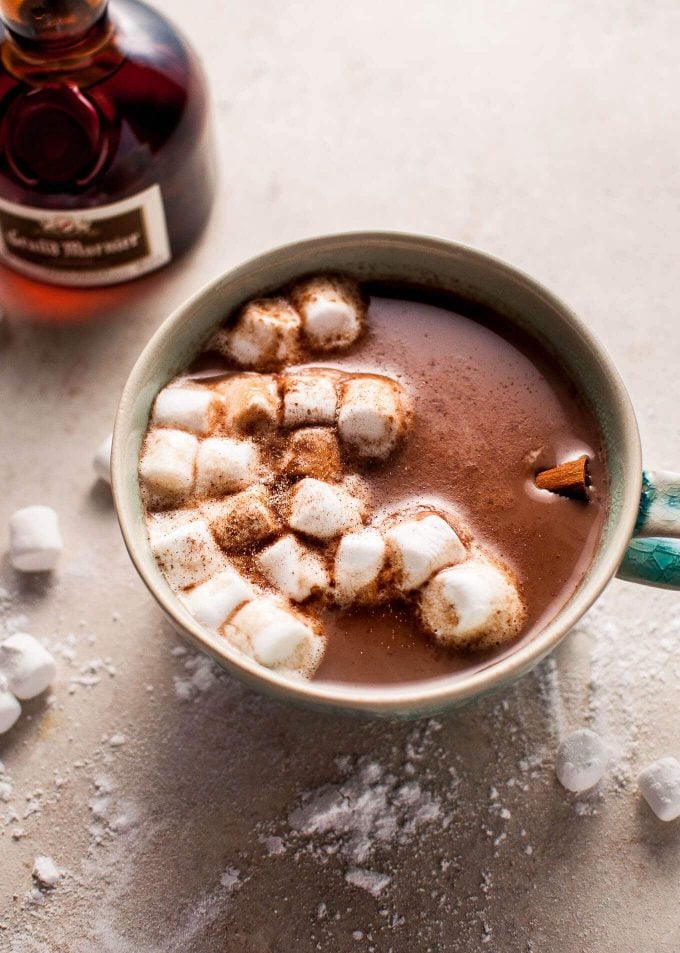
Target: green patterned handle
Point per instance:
(653, 557)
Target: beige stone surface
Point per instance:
(546, 134)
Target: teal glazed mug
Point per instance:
(653, 555)
(640, 540)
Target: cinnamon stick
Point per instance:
(568, 479)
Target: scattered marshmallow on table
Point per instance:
(214, 601)
(294, 569)
(26, 670)
(358, 562)
(581, 760)
(224, 465)
(35, 541)
(167, 463)
(332, 312)
(324, 510)
(188, 554)
(252, 403)
(275, 636)
(373, 415)
(243, 520)
(420, 546)
(45, 872)
(310, 397)
(265, 334)
(101, 461)
(195, 409)
(28, 667)
(10, 709)
(474, 604)
(659, 785)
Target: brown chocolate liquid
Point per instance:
(491, 407)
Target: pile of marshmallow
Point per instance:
(320, 314)
(255, 506)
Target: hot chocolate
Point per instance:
(343, 484)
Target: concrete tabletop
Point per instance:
(188, 815)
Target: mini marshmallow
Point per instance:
(45, 872)
(215, 600)
(188, 554)
(243, 520)
(224, 465)
(266, 334)
(322, 510)
(10, 709)
(187, 408)
(101, 462)
(373, 415)
(167, 463)
(332, 312)
(28, 667)
(252, 402)
(474, 604)
(420, 546)
(310, 397)
(313, 452)
(581, 760)
(659, 785)
(293, 568)
(358, 562)
(275, 637)
(34, 539)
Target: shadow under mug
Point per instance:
(640, 537)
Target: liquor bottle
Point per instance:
(106, 166)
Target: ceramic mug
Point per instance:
(640, 506)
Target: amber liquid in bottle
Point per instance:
(106, 166)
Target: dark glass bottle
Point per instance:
(106, 166)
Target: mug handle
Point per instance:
(653, 555)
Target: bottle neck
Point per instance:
(52, 24)
(55, 41)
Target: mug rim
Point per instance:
(410, 698)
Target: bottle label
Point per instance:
(90, 246)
